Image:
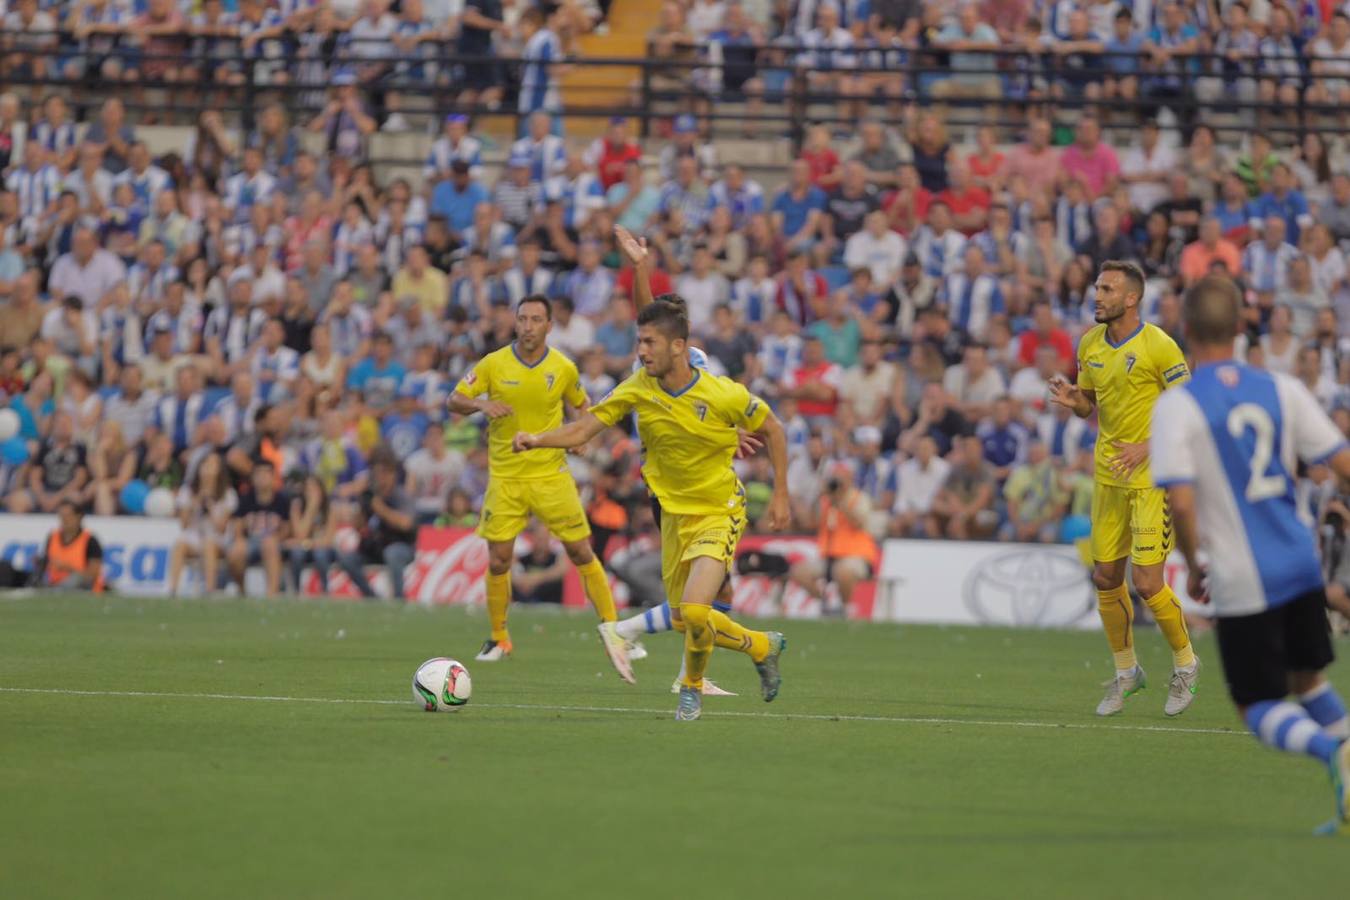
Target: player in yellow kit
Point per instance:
(523, 386)
(688, 421)
(1124, 365)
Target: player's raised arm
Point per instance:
(634, 250)
(573, 434)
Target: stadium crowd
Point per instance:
(271, 333)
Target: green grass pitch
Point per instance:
(898, 762)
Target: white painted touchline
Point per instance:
(818, 717)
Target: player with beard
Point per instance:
(1124, 365)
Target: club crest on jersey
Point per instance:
(1130, 360)
(701, 410)
(548, 380)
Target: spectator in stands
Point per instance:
(876, 248)
(310, 540)
(1283, 199)
(1265, 262)
(838, 332)
(1108, 239)
(964, 507)
(29, 42)
(878, 155)
(389, 531)
(1090, 160)
(205, 507)
(1035, 162)
(537, 576)
(590, 285)
(1280, 66)
(87, 271)
(1199, 258)
(799, 208)
(1237, 46)
(974, 385)
(261, 525)
(1036, 501)
(59, 472)
(969, 41)
(919, 479)
(814, 383)
(972, 295)
(571, 333)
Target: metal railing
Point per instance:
(797, 87)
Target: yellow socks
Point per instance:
(1167, 613)
(698, 642)
(498, 599)
(596, 584)
(731, 635)
(1117, 614)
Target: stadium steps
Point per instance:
(606, 87)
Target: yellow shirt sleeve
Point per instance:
(1085, 382)
(1167, 356)
(745, 409)
(620, 401)
(478, 380)
(574, 394)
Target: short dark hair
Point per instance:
(540, 299)
(262, 412)
(70, 504)
(1134, 275)
(1213, 311)
(669, 319)
(674, 300)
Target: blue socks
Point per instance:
(1287, 726)
(1325, 708)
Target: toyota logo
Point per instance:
(1033, 586)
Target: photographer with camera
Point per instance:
(848, 552)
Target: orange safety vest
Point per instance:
(74, 555)
(838, 537)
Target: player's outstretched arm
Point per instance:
(779, 514)
(1065, 393)
(573, 434)
(466, 406)
(634, 250)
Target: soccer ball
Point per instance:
(441, 685)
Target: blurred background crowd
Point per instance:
(214, 288)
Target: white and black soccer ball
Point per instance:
(441, 685)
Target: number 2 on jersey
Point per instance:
(1262, 485)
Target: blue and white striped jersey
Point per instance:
(1237, 434)
(538, 86)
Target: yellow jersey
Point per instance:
(1128, 378)
(536, 395)
(689, 437)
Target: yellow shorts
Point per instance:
(1133, 522)
(684, 538)
(508, 503)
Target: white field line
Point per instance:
(819, 717)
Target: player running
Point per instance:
(1226, 448)
(688, 420)
(658, 618)
(1124, 365)
(523, 386)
